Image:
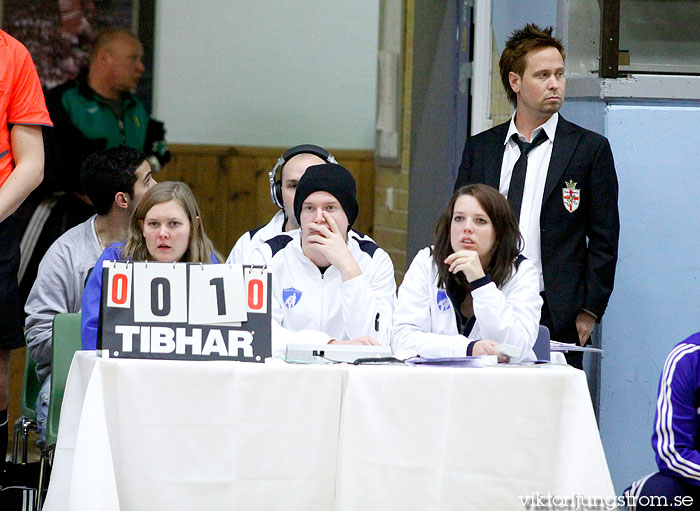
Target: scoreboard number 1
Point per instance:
(217, 294)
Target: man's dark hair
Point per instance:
(105, 173)
(517, 47)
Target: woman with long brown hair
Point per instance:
(166, 226)
(472, 290)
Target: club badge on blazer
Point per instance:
(571, 196)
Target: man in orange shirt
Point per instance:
(22, 114)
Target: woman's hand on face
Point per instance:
(466, 261)
(487, 348)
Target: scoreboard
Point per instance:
(188, 311)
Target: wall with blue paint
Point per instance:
(587, 113)
(509, 15)
(656, 301)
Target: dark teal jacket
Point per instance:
(84, 122)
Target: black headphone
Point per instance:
(276, 184)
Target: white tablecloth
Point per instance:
(173, 435)
(456, 439)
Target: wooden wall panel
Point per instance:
(232, 186)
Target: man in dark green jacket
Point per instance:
(99, 110)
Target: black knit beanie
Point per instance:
(331, 178)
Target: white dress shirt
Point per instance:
(537, 166)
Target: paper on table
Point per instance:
(480, 361)
(565, 347)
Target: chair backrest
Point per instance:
(65, 342)
(541, 347)
(30, 388)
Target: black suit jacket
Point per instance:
(579, 249)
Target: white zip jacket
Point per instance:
(249, 242)
(425, 322)
(311, 307)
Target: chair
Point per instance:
(27, 418)
(65, 341)
(541, 347)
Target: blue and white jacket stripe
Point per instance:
(675, 438)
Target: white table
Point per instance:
(152, 435)
(456, 439)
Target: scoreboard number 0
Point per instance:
(160, 293)
(256, 285)
(256, 294)
(119, 285)
(160, 296)
(119, 288)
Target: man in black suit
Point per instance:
(562, 184)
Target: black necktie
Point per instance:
(517, 179)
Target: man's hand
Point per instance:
(329, 241)
(487, 348)
(365, 340)
(466, 261)
(584, 326)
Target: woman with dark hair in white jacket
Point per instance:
(472, 290)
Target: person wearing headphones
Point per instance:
(292, 165)
(328, 286)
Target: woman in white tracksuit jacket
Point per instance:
(472, 290)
